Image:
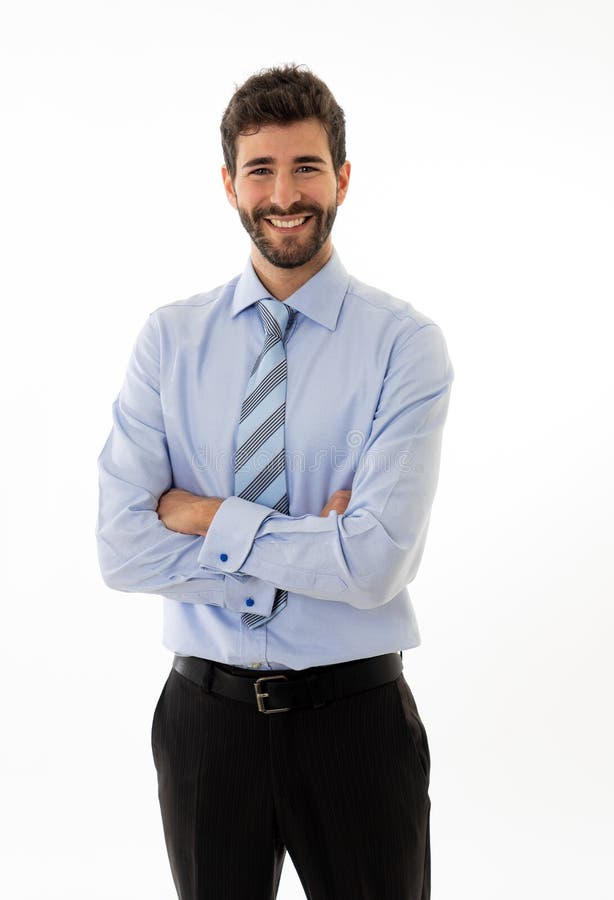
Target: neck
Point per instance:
(281, 283)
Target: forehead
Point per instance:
(285, 142)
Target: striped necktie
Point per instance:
(260, 464)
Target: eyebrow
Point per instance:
(268, 160)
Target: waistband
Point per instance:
(286, 689)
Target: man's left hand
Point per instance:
(187, 513)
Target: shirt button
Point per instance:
(223, 557)
(249, 602)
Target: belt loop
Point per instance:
(207, 677)
(316, 695)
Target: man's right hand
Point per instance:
(338, 501)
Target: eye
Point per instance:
(307, 169)
(260, 171)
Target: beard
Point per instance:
(293, 250)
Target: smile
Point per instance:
(288, 224)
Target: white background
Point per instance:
(482, 142)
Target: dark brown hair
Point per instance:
(282, 95)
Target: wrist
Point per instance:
(207, 510)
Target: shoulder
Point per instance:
(397, 315)
(412, 337)
(189, 319)
(196, 303)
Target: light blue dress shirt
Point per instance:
(368, 387)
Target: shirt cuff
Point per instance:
(248, 594)
(230, 537)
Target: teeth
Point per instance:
(291, 223)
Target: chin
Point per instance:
(287, 264)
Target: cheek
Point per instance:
(252, 199)
(329, 197)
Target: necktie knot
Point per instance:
(275, 316)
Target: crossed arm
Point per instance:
(188, 513)
(150, 533)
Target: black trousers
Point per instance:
(342, 787)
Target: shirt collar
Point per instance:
(320, 298)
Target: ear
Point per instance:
(343, 181)
(229, 187)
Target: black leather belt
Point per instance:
(286, 689)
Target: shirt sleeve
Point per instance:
(136, 551)
(371, 552)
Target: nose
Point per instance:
(285, 192)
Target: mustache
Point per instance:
(296, 209)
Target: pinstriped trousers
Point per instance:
(343, 788)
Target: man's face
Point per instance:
(286, 190)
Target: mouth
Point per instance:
(288, 225)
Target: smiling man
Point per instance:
(270, 472)
(287, 199)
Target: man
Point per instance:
(270, 472)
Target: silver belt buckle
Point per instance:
(260, 695)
